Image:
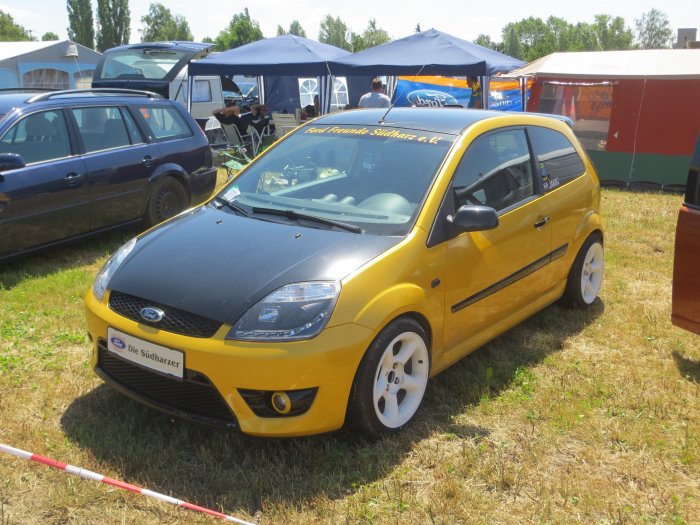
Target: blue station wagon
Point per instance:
(75, 163)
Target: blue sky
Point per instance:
(399, 18)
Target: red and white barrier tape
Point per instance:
(88, 474)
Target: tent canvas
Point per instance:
(636, 112)
(430, 52)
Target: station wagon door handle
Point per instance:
(544, 220)
(73, 179)
(147, 161)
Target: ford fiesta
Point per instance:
(358, 257)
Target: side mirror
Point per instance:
(11, 161)
(474, 219)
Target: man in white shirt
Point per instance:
(375, 98)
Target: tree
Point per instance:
(485, 41)
(113, 21)
(11, 32)
(373, 35)
(654, 30)
(332, 31)
(240, 31)
(280, 30)
(611, 33)
(81, 22)
(417, 29)
(160, 24)
(49, 36)
(296, 29)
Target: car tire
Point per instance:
(586, 274)
(168, 198)
(390, 382)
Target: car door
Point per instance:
(567, 193)
(118, 161)
(686, 260)
(491, 275)
(47, 199)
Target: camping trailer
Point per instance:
(636, 112)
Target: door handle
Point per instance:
(73, 179)
(148, 161)
(544, 220)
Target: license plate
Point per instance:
(148, 355)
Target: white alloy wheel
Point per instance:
(592, 272)
(400, 379)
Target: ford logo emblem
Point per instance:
(430, 98)
(118, 343)
(151, 314)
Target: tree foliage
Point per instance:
(332, 31)
(533, 38)
(280, 30)
(113, 19)
(81, 22)
(160, 24)
(485, 41)
(654, 30)
(370, 37)
(241, 30)
(11, 32)
(296, 29)
(49, 36)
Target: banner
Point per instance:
(444, 91)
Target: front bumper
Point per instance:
(216, 371)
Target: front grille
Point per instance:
(194, 396)
(174, 320)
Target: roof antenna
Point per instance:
(381, 120)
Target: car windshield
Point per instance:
(370, 177)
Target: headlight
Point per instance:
(107, 271)
(296, 311)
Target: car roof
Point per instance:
(10, 101)
(441, 120)
(177, 45)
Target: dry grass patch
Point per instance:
(572, 417)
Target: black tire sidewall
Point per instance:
(361, 414)
(573, 296)
(163, 188)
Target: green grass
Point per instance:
(572, 417)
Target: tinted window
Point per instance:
(165, 122)
(495, 171)
(102, 128)
(38, 137)
(557, 159)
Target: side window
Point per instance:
(495, 171)
(557, 159)
(101, 128)
(692, 188)
(38, 137)
(165, 122)
(131, 128)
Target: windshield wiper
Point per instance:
(233, 205)
(296, 216)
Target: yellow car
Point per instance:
(358, 257)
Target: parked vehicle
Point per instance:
(356, 258)
(686, 260)
(75, 163)
(161, 67)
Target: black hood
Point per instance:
(216, 264)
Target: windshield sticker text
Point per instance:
(385, 133)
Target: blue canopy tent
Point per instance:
(285, 55)
(430, 52)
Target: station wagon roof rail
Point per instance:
(99, 91)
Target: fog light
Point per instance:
(281, 402)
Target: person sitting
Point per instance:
(375, 98)
(475, 98)
(256, 117)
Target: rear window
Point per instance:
(138, 64)
(165, 122)
(556, 157)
